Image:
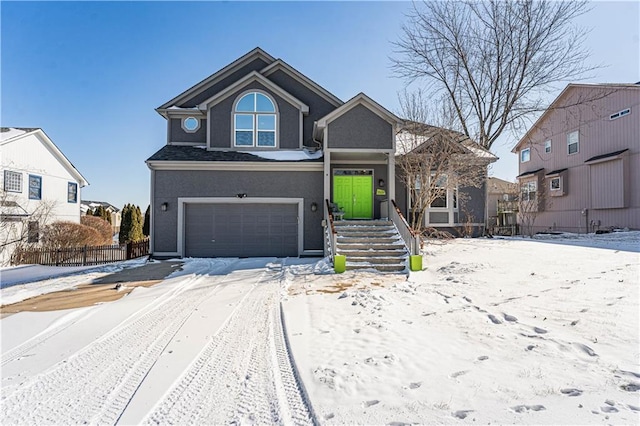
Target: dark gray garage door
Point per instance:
(241, 230)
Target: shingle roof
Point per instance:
(533, 172)
(555, 172)
(611, 154)
(191, 153)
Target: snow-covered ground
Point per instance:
(26, 281)
(493, 331)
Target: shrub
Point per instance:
(100, 225)
(70, 234)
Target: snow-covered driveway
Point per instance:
(206, 346)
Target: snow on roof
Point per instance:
(7, 133)
(297, 155)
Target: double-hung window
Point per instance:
(528, 191)
(439, 198)
(72, 192)
(35, 187)
(255, 121)
(525, 155)
(572, 142)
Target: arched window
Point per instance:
(255, 120)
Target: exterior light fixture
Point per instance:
(164, 207)
(241, 195)
(381, 183)
(314, 206)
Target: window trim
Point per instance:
(555, 178)
(576, 143)
(528, 184)
(184, 127)
(255, 116)
(619, 114)
(547, 146)
(528, 151)
(8, 181)
(39, 178)
(75, 193)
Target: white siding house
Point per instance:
(38, 185)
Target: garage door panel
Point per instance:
(241, 230)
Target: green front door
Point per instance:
(354, 194)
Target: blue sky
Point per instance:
(91, 73)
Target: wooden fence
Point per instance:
(81, 256)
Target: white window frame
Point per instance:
(184, 127)
(255, 114)
(572, 142)
(12, 181)
(619, 114)
(559, 180)
(522, 152)
(547, 146)
(526, 188)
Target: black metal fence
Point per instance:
(81, 256)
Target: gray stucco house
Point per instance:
(253, 155)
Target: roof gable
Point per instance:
(612, 87)
(367, 102)
(249, 78)
(280, 65)
(48, 143)
(219, 75)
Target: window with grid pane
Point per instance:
(255, 120)
(12, 181)
(35, 187)
(72, 192)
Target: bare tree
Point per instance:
(532, 202)
(19, 228)
(491, 62)
(435, 161)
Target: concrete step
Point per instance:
(351, 266)
(391, 239)
(382, 253)
(377, 260)
(363, 223)
(364, 246)
(366, 231)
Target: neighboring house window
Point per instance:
(528, 191)
(547, 146)
(12, 181)
(525, 155)
(255, 120)
(190, 124)
(572, 142)
(33, 232)
(72, 192)
(556, 184)
(35, 187)
(440, 196)
(620, 114)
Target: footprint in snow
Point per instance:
(525, 408)
(608, 409)
(329, 416)
(509, 318)
(494, 319)
(530, 348)
(483, 358)
(458, 373)
(540, 330)
(633, 407)
(415, 385)
(368, 404)
(461, 414)
(571, 391)
(631, 387)
(586, 349)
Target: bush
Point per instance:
(70, 234)
(100, 225)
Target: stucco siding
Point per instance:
(255, 65)
(170, 185)
(318, 106)
(178, 134)
(221, 121)
(360, 128)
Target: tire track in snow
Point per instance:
(95, 384)
(244, 375)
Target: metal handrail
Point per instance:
(331, 235)
(410, 237)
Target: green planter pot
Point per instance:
(340, 263)
(415, 262)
